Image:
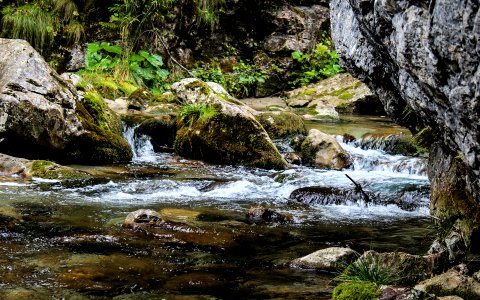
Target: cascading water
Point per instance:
(141, 146)
(71, 242)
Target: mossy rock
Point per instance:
(96, 145)
(229, 140)
(219, 131)
(353, 290)
(49, 170)
(101, 114)
(282, 124)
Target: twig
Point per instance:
(359, 189)
(173, 58)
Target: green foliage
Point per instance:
(30, 22)
(356, 291)
(368, 268)
(197, 111)
(142, 68)
(241, 82)
(40, 22)
(321, 63)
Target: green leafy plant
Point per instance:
(321, 63)
(197, 111)
(367, 268)
(241, 82)
(142, 68)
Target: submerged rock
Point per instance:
(219, 129)
(330, 259)
(319, 195)
(38, 110)
(324, 151)
(262, 214)
(143, 218)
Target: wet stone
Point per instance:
(330, 259)
(260, 214)
(143, 217)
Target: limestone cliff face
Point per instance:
(422, 58)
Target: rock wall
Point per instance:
(422, 59)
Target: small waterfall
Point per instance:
(373, 155)
(141, 145)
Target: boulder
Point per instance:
(330, 259)
(403, 267)
(451, 283)
(324, 151)
(11, 166)
(215, 127)
(282, 124)
(38, 110)
(422, 60)
(342, 92)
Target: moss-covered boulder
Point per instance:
(342, 93)
(217, 128)
(25, 168)
(42, 116)
(282, 124)
(323, 150)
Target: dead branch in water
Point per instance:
(359, 189)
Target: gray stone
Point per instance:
(323, 150)
(329, 259)
(422, 59)
(40, 111)
(451, 283)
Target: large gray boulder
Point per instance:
(422, 59)
(41, 116)
(217, 128)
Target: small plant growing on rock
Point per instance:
(197, 111)
(367, 268)
(356, 291)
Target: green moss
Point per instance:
(96, 145)
(356, 291)
(127, 88)
(204, 88)
(102, 115)
(345, 96)
(48, 170)
(307, 93)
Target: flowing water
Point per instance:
(70, 243)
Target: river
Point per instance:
(71, 244)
